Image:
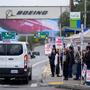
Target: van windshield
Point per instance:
(11, 49)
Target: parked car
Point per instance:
(32, 55)
(36, 53)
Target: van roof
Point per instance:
(13, 42)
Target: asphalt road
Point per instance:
(30, 88)
(38, 65)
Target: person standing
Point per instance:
(72, 60)
(52, 62)
(87, 57)
(57, 63)
(78, 63)
(66, 59)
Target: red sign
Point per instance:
(88, 75)
(58, 42)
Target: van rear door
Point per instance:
(3, 57)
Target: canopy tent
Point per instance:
(77, 37)
(87, 34)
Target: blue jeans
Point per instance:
(78, 74)
(70, 70)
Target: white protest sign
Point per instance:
(48, 48)
(58, 42)
(88, 76)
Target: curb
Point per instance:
(46, 71)
(74, 87)
(67, 86)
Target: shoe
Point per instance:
(52, 75)
(58, 76)
(76, 79)
(70, 76)
(65, 78)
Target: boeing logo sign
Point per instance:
(19, 12)
(32, 12)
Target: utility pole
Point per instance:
(26, 38)
(71, 5)
(61, 23)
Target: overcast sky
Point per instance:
(34, 2)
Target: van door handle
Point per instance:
(10, 59)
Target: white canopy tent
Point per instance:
(87, 34)
(77, 37)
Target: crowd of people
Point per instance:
(70, 60)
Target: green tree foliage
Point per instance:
(23, 39)
(64, 19)
(80, 7)
(32, 41)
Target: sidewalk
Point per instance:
(59, 82)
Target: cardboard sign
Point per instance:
(58, 42)
(48, 48)
(84, 70)
(88, 76)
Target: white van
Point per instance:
(15, 61)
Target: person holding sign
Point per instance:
(66, 60)
(52, 60)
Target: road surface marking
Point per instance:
(46, 71)
(39, 63)
(34, 85)
(4, 85)
(55, 83)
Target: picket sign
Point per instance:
(58, 42)
(84, 70)
(88, 76)
(86, 73)
(48, 48)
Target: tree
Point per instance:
(23, 39)
(32, 41)
(64, 20)
(80, 7)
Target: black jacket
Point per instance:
(87, 59)
(52, 58)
